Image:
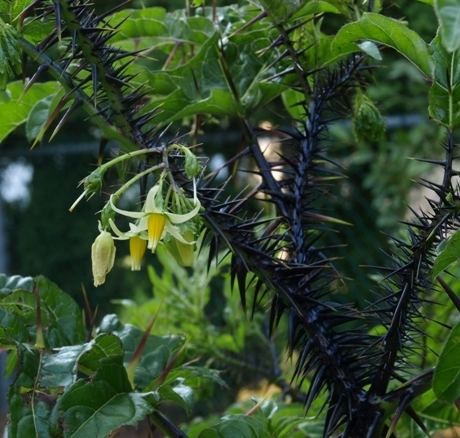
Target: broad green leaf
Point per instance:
(62, 317)
(238, 426)
(448, 13)
(294, 103)
(316, 7)
(444, 106)
(58, 368)
(177, 392)
(427, 2)
(446, 379)
(157, 353)
(386, 31)
(152, 28)
(446, 65)
(97, 408)
(16, 105)
(39, 117)
(449, 254)
(105, 347)
(25, 421)
(136, 23)
(17, 318)
(195, 377)
(438, 410)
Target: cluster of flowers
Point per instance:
(151, 225)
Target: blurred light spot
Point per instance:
(216, 164)
(14, 182)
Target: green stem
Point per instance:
(126, 156)
(136, 178)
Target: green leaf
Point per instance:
(294, 103)
(97, 408)
(38, 120)
(444, 106)
(316, 7)
(448, 13)
(104, 348)
(177, 392)
(386, 31)
(15, 106)
(196, 377)
(449, 254)
(446, 65)
(446, 379)
(25, 421)
(62, 317)
(58, 368)
(156, 355)
(137, 23)
(241, 426)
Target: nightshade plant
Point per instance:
(134, 73)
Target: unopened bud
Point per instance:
(102, 257)
(192, 166)
(368, 123)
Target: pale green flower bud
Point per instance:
(93, 182)
(368, 123)
(107, 214)
(192, 166)
(102, 257)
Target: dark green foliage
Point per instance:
(77, 388)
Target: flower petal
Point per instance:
(120, 235)
(181, 218)
(150, 205)
(131, 214)
(175, 232)
(156, 229)
(137, 247)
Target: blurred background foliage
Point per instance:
(42, 237)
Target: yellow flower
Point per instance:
(155, 227)
(137, 247)
(154, 219)
(102, 257)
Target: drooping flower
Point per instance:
(155, 227)
(137, 243)
(154, 220)
(102, 257)
(137, 247)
